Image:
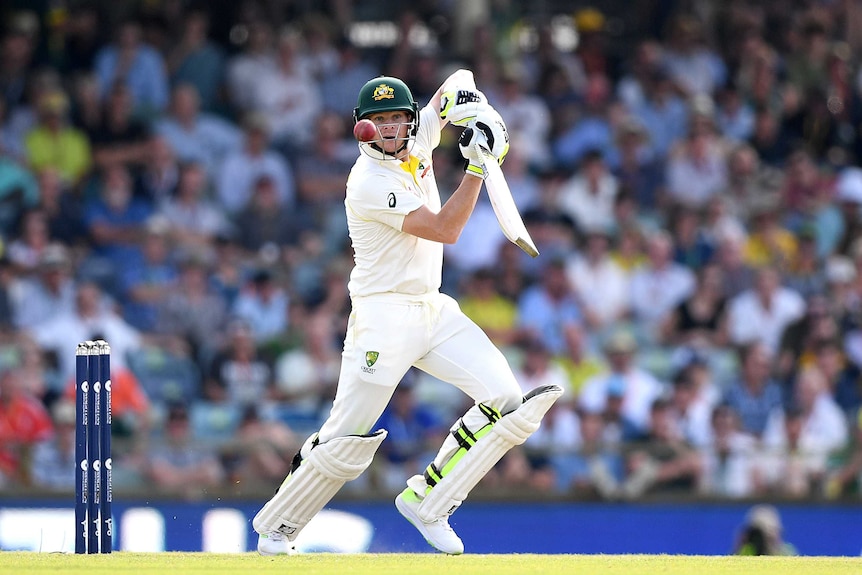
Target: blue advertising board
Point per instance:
(485, 527)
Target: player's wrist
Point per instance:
(475, 170)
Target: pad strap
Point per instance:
(317, 473)
(482, 450)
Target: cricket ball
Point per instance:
(365, 130)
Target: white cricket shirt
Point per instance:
(380, 193)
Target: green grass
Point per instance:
(421, 564)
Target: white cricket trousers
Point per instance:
(388, 334)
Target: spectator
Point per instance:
(695, 68)
(754, 395)
(762, 313)
(244, 69)
(768, 139)
(537, 368)
(636, 387)
(749, 182)
(119, 138)
(180, 464)
(19, 50)
(737, 274)
(531, 464)
(734, 115)
(338, 86)
(63, 209)
(28, 248)
(48, 293)
(238, 375)
(287, 95)
(263, 304)
(769, 243)
(848, 195)
(197, 136)
(115, 220)
(194, 220)
(806, 273)
(628, 252)
(138, 65)
(24, 422)
(53, 461)
(801, 337)
(691, 406)
(19, 191)
(590, 132)
(92, 318)
(588, 197)
(321, 174)
(693, 246)
(54, 144)
(663, 113)
(527, 118)
(842, 375)
(662, 460)
(631, 88)
(196, 60)
(845, 478)
(479, 243)
(319, 55)
(805, 196)
(595, 466)
(306, 374)
(600, 285)
(243, 168)
(415, 430)
(659, 286)
(579, 361)
(697, 166)
(265, 223)
(823, 425)
(547, 309)
(700, 320)
(81, 38)
(482, 302)
(636, 169)
(789, 470)
(194, 310)
(161, 172)
(143, 287)
(261, 451)
(729, 457)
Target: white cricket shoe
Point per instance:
(275, 543)
(437, 533)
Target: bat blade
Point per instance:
(504, 206)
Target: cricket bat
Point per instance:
(504, 205)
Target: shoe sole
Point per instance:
(408, 514)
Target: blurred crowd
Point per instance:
(172, 177)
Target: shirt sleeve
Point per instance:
(428, 135)
(381, 199)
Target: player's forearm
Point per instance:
(456, 211)
(446, 225)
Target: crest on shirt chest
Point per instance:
(423, 168)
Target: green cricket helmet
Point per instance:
(386, 94)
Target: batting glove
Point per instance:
(467, 144)
(462, 106)
(489, 122)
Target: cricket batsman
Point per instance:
(399, 318)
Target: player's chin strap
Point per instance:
(445, 486)
(318, 472)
